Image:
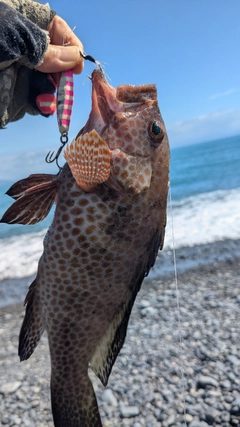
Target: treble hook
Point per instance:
(50, 158)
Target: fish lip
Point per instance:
(104, 104)
(106, 96)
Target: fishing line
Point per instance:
(178, 307)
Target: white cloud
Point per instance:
(21, 164)
(222, 94)
(219, 124)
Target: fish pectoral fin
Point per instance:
(88, 157)
(20, 187)
(33, 206)
(110, 344)
(32, 327)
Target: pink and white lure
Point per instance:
(65, 98)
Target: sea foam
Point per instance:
(204, 218)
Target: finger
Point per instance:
(60, 32)
(61, 58)
(78, 68)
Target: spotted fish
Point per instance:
(108, 226)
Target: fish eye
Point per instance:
(155, 132)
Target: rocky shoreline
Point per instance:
(178, 367)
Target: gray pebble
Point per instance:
(188, 418)
(234, 360)
(108, 397)
(170, 421)
(204, 381)
(149, 311)
(209, 415)
(225, 416)
(23, 406)
(226, 384)
(235, 410)
(9, 388)
(154, 373)
(197, 423)
(194, 409)
(235, 422)
(144, 303)
(14, 419)
(228, 398)
(129, 411)
(35, 403)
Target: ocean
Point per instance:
(203, 209)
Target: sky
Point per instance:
(188, 48)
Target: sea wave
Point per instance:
(197, 220)
(20, 254)
(204, 218)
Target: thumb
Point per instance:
(61, 58)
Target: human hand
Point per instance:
(58, 57)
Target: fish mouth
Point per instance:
(107, 101)
(104, 104)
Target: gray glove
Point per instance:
(22, 47)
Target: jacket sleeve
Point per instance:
(22, 39)
(23, 42)
(38, 13)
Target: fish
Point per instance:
(108, 226)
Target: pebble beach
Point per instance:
(180, 365)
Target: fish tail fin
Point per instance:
(34, 196)
(74, 403)
(32, 327)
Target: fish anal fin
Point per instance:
(32, 327)
(88, 157)
(18, 189)
(111, 343)
(33, 206)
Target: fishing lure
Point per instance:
(65, 98)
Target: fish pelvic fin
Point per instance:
(88, 157)
(77, 407)
(32, 327)
(33, 203)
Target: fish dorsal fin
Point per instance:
(18, 189)
(88, 157)
(33, 205)
(32, 327)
